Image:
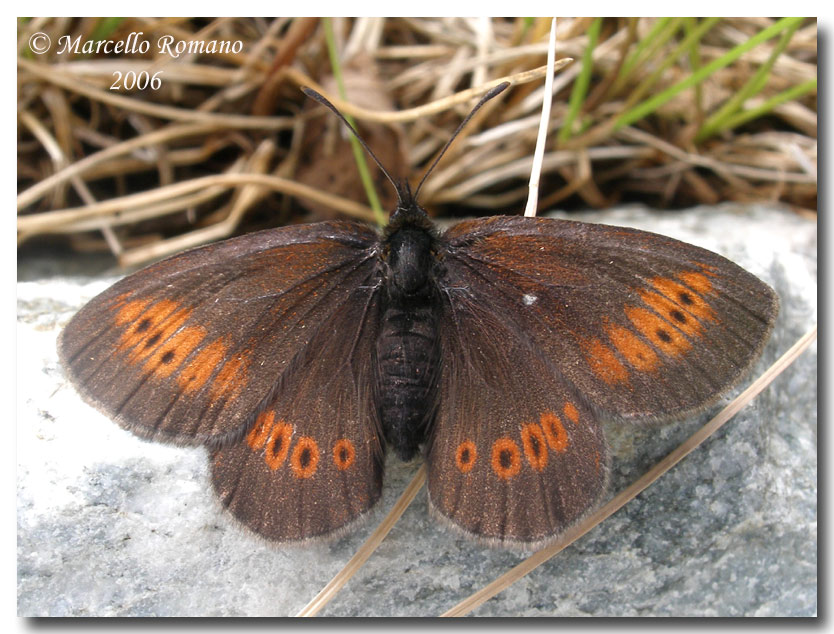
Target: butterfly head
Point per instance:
(408, 245)
(409, 239)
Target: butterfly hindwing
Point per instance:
(189, 349)
(514, 457)
(643, 326)
(312, 462)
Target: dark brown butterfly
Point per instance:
(297, 355)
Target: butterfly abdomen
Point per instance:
(407, 358)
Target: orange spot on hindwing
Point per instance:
(535, 445)
(571, 412)
(257, 436)
(554, 431)
(506, 458)
(278, 445)
(344, 454)
(465, 456)
(305, 457)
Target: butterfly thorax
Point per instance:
(408, 354)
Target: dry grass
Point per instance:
(672, 112)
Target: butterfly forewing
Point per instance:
(643, 326)
(189, 349)
(312, 462)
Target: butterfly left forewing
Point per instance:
(643, 326)
(515, 456)
(187, 350)
(312, 462)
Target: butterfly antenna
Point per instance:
(312, 94)
(497, 90)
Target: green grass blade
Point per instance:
(105, 27)
(752, 87)
(695, 63)
(580, 86)
(688, 41)
(650, 105)
(358, 152)
(794, 92)
(640, 51)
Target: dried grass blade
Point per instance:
(428, 109)
(547, 98)
(366, 550)
(28, 196)
(46, 221)
(54, 75)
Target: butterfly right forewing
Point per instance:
(189, 349)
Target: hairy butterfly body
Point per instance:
(298, 355)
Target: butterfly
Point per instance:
(298, 356)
